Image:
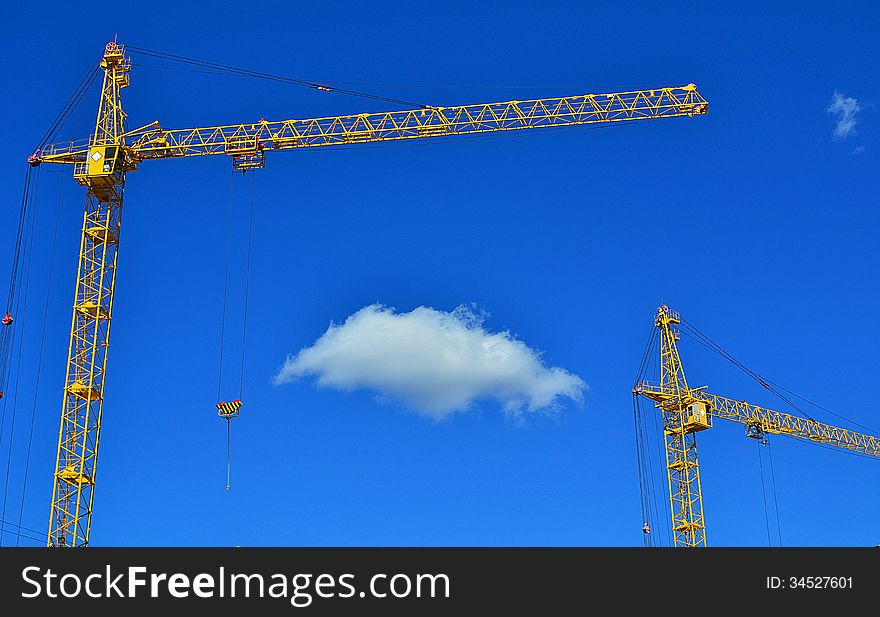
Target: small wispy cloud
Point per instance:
(845, 110)
(858, 150)
(434, 362)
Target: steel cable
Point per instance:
(269, 76)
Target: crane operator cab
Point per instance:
(696, 417)
(102, 170)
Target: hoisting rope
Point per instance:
(764, 443)
(223, 329)
(14, 313)
(641, 462)
(40, 357)
(759, 445)
(19, 307)
(7, 332)
(643, 490)
(225, 285)
(228, 452)
(653, 516)
(247, 283)
(647, 491)
(773, 487)
(230, 410)
(225, 68)
(28, 533)
(28, 191)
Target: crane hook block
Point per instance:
(229, 409)
(7, 319)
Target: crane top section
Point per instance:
(667, 317)
(246, 143)
(115, 58)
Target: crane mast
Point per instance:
(685, 411)
(103, 175)
(100, 164)
(677, 404)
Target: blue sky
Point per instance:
(753, 221)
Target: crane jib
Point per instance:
(154, 142)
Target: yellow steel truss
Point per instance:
(154, 142)
(101, 162)
(686, 411)
(78, 437)
(778, 423)
(679, 435)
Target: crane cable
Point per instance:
(40, 356)
(225, 68)
(692, 332)
(245, 312)
(20, 275)
(7, 333)
(247, 283)
(651, 511)
(764, 492)
(704, 340)
(773, 488)
(244, 328)
(644, 485)
(764, 381)
(225, 286)
(223, 329)
(61, 118)
(764, 443)
(643, 488)
(28, 533)
(22, 303)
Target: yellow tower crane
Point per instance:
(102, 161)
(685, 411)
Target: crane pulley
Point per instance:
(102, 161)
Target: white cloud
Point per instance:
(434, 362)
(845, 110)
